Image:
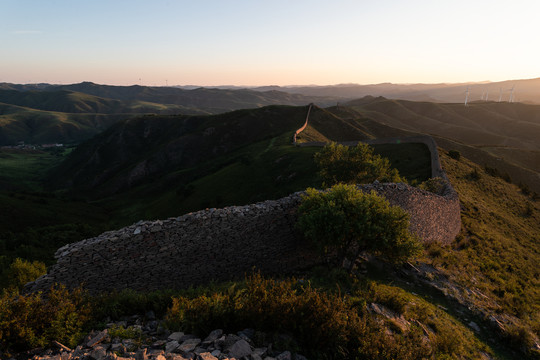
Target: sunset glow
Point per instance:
(261, 43)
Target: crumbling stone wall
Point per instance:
(224, 244)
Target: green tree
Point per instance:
(353, 165)
(344, 221)
(23, 271)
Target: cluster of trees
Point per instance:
(343, 221)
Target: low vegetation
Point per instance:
(22, 271)
(321, 322)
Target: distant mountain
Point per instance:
(38, 117)
(501, 135)
(213, 100)
(77, 103)
(485, 124)
(70, 113)
(524, 91)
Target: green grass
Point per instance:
(413, 161)
(269, 169)
(33, 222)
(26, 169)
(496, 254)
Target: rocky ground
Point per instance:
(134, 339)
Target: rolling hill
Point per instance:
(134, 150)
(72, 113)
(500, 135)
(526, 90)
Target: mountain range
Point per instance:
(46, 113)
(500, 135)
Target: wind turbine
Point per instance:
(511, 100)
(487, 95)
(467, 96)
(500, 94)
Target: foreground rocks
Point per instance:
(152, 342)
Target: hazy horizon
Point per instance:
(244, 43)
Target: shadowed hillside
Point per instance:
(500, 135)
(76, 102)
(138, 149)
(46, 113)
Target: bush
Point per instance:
(524, 189)
(29, 321)
(22, 271)
(454, 154)
(435, 185)
(345, 221)
(353, 165)
(474, 175)
(327, 326)
(529, 210)
(496, 173)
(122, 332)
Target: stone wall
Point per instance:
(303, 126)
(223, 244)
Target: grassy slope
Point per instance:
(268, 169)
(500, 130)
(496, 256)
(34, 223)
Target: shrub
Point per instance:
(474, 175)
(22, 271)
(454, 154)
(435, 185)
(29, 321)
(496, 173)
(524, 189)
(345, 221)
(327, 326)
(353, 165)
(529, 210)
(122, 332)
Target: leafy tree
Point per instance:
(353, 165)
(346, 221)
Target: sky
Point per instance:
(263, 42)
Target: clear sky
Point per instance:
(268, 42)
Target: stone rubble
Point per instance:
(155, 343)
